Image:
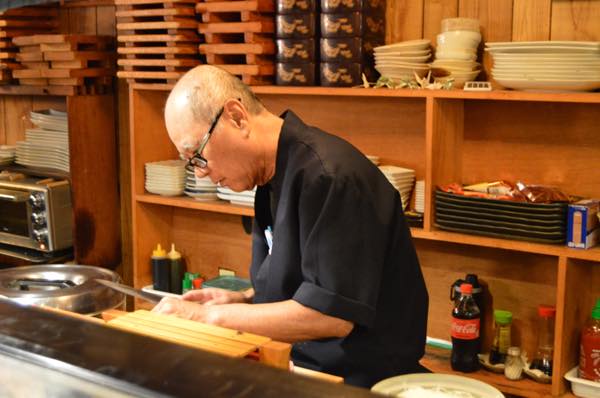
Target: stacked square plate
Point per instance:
(7, 154)
(48, 145)
(374, 159)
(400, 61)
(199, 188)
(166, 177)
(536, 222)
(420, 196)
(547, 65)
(244, 198)
(402, 179)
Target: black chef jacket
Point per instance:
(340, 245)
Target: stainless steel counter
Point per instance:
(44, 354)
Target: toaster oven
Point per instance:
(36, 213)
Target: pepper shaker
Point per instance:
(513, 367)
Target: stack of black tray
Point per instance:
(536, 222)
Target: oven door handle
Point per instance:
(13, 196)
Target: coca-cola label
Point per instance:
(465, 329)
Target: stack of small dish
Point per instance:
(547, 65)
(420, 196)
(457, 50)
(7, 154)
(402, 179)
(165, 177)
(401, 61)
(199, 188)
(47, 145)
(244, 198)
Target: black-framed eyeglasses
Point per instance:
(197, 160)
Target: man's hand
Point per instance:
(182, 309)
(211, 296)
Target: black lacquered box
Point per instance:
(340, 74)
(296, 50)
(353, 24)
(347, 49)
(345, 6)
(296, 6)
(295, 26)
(298, 74)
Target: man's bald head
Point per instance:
(201, 92)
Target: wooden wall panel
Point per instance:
(404, 20)
(16, 110)
(531, 20)
(575, 20)
(105, 21)
(82, 20)
(433, 13)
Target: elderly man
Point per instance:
(333, 267)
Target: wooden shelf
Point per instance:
(438, 361)
(191, 203)
(507, 244)
(38, 90)
(498, 95)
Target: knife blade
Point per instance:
(151, 297)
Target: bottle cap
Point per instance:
(174, 254)
(159, 251)
(186, 285)
(546, 311)
(514, 351)
(503, 317)
(198, 283)
(466, 288)
(596, 310)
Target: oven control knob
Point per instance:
(36, 200)
(38, 218)
(41, 235)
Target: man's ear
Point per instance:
(236, 113)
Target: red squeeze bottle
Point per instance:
(589, 353)
(465, 331)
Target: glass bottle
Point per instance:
(502, 320)
(513, 367)
(545, 347)
(589, 360)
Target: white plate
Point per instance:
(549, 85)
(202, 196)
(546, 43)
(398, 58)
(394, 386)
(238, 199)
(547, 75)
(542, 50)
(228, 191)
(420, 44)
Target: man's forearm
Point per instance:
(283, 321)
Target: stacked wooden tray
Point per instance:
(158, 40)
(18, 22)
(82, 61)
(239, 38)
(536, 222)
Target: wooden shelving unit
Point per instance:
(445, 136)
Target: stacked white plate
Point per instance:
(166, 177)
(244, 198)
(400, 61)
(420, 196)
(457, 53)
(402, 179)
(374, 159)
(547, 65)
(199, 188)
(7, 154)
(47, 145)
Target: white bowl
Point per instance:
(396, 386)
(465, 55)
(459, 38)
(412, 45)
(400, 58)
(582, 387)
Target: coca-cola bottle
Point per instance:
(465, 331)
